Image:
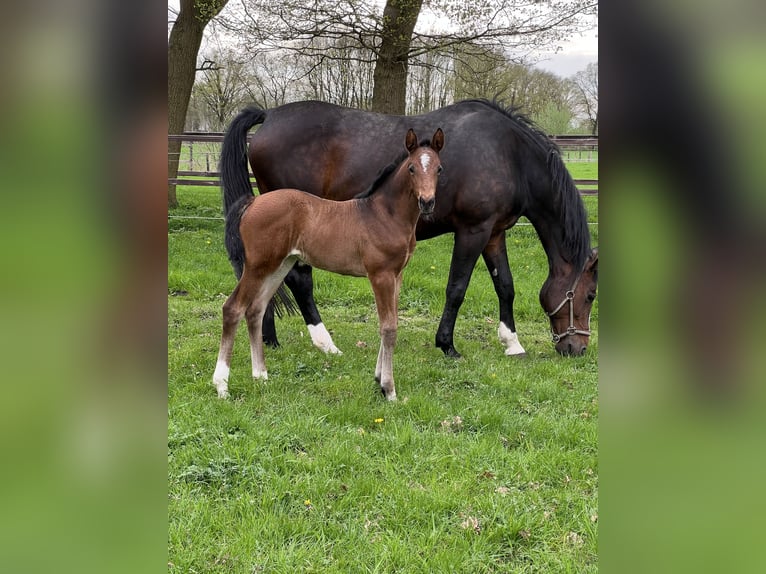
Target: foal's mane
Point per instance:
(387, 171)
(574, 220)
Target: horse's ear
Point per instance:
(437, 142)
(411, 141)
(592, 264)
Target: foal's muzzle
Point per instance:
(426, 205)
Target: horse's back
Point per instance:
(335, 152)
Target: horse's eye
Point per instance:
(439, 170)
(412, 169)
(590, 297)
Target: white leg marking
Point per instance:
(510, 340)
(221, 379)
(258, 374)
(322, 339)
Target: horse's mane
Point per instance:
(388, 170)
(574, 220)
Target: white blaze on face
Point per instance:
(425, 159)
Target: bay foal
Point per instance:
(372, 235)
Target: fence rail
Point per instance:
(585, 146)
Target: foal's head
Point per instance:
(424, 167)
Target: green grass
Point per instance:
(485, 464)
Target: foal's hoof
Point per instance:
(517, 355)
(391, 396)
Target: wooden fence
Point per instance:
(201, 161)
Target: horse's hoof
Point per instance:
(451, 352)
(389, 396)
(273, 343)
(517, 355)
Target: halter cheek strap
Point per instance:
(571, 330)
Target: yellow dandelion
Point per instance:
(432, 268)
(307, 502)
(378, 420)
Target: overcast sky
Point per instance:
(575, 55)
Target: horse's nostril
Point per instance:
(569, 348)
(427, 205)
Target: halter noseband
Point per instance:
(571, 330)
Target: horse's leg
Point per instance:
(379, 364)
(468, 246)
(496, 257)
(255, 315)
(301, 283)
(233, 310)
(385, 287)
(269, 328)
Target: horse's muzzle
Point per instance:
(571, 348)
(426, 206)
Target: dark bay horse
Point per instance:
(370, 236)
(498, 167)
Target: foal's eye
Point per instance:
(412, 169)
(439, 170)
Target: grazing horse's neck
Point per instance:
(551, 232)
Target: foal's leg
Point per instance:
(256, 311)
(233, 310)
(496, 258)
(386, 288)
(379, 364)
(468, 246)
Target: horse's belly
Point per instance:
(337, 263)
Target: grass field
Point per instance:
(485, 464)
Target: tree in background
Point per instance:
(554, 119)
(389, 95)
(435, 80)
(183, 45)
(221, 90)
(585, 84)
(391, 41)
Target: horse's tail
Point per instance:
(238, 195)
(235, 174)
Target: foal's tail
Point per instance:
(238, 195)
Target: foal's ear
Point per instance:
(437, 142)
(411, 141)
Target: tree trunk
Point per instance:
(389, 95)
(183, 46)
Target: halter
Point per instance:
(571, 330)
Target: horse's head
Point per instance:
(424, 167)
(568, 302)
